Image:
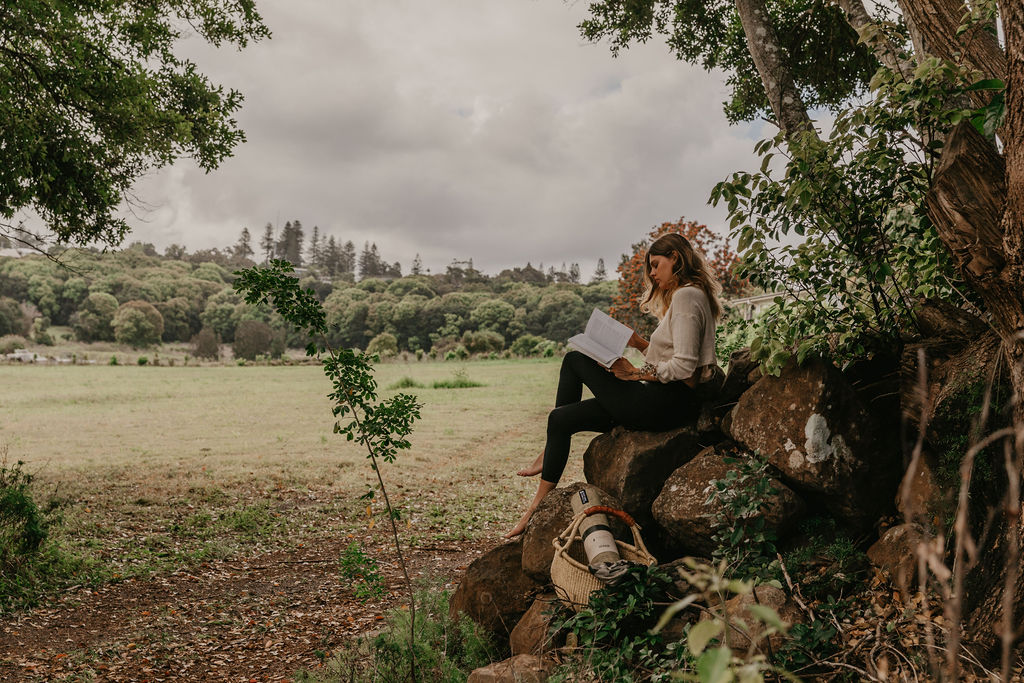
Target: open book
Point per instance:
(604, 340)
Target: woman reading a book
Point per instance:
(683, 293)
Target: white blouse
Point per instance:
(683, 345)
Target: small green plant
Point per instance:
(406, 383)
(445, 649)
(113, 360)
(741, 536)
(460, 380)
(142, 360)
(363, 572)
(382, 427)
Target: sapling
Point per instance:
(382, 427)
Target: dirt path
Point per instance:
(262, 618)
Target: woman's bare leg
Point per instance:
(543, 489)
(533, 469)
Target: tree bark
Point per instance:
(888, 54)
(935, 23)
(977, 204)
(763, 43)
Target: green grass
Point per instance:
(163, 467)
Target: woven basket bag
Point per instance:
(569, 572)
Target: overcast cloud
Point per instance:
(485, 130)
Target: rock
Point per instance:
(738, 375)
(681, 508)
(633, 466)
(530, 636)
(747, 627)
(495, 592)
(919, 498)
(896, 553)
(550, 519)
(517, 669)
(817, 433)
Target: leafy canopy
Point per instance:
(822, 50)
(92, 96)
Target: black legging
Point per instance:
(647, 406)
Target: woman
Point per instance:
(683, 293)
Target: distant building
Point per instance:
(749, 307)
(17, 252)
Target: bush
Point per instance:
(206, 344)
(11, 342)
(142, 360)
(92, 321)
(526, 345)
(446, 649)
(252, 338)
(13, 320)
(483, 341)
(138, 324)
(40, 331)
(384, 344)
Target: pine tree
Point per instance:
(314, 248)
(243, 248)
(417, 266)
(347, 263)
(332, 258)
(281, 245)
(267, 243)
(599, 273)
(295, 244)
(574, 273)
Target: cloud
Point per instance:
(454, 130)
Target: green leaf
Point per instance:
(701, 634)
(768, 615)
(713, 666)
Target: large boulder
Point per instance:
(517, 669)
(531, 636)
(683, 512)
(495, 592)
(896, 554)
(633, 466)
(819, 435)
(550, 519)
(746, 627)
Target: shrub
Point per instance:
(446, 649)
(11, 342)
(252, 338)
(483, 341)
(384, 344)
(406, 383)
(460, 380)
(206, 344)
(12, 318)
(113, 360)
(40, 331)
(138, 324)
(92, 321)
(142, 360)
(526, 345)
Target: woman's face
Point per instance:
(661, 272)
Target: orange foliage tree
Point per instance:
(722, 260)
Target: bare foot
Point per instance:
(520, 527)
(533, 469)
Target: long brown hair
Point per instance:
(689, 268)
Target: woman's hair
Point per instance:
(689, 267)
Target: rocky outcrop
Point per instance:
(817, 433)
(682, 510)
(633, 466)
(531, 635)
(495, 592)
(896, 553)
(517, 669)
(550, 519)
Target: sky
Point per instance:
(487, 130)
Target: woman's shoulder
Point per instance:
(690, 294)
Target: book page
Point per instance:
(588, 347)
(608, 332)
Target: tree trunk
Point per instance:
(885, 52)
(935, 23)
(977, 204)
(763, 43)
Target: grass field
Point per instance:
(161, 466)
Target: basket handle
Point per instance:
(615, 512)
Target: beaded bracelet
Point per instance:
(648, 369)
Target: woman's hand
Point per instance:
(623, 369)
(638, 342)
